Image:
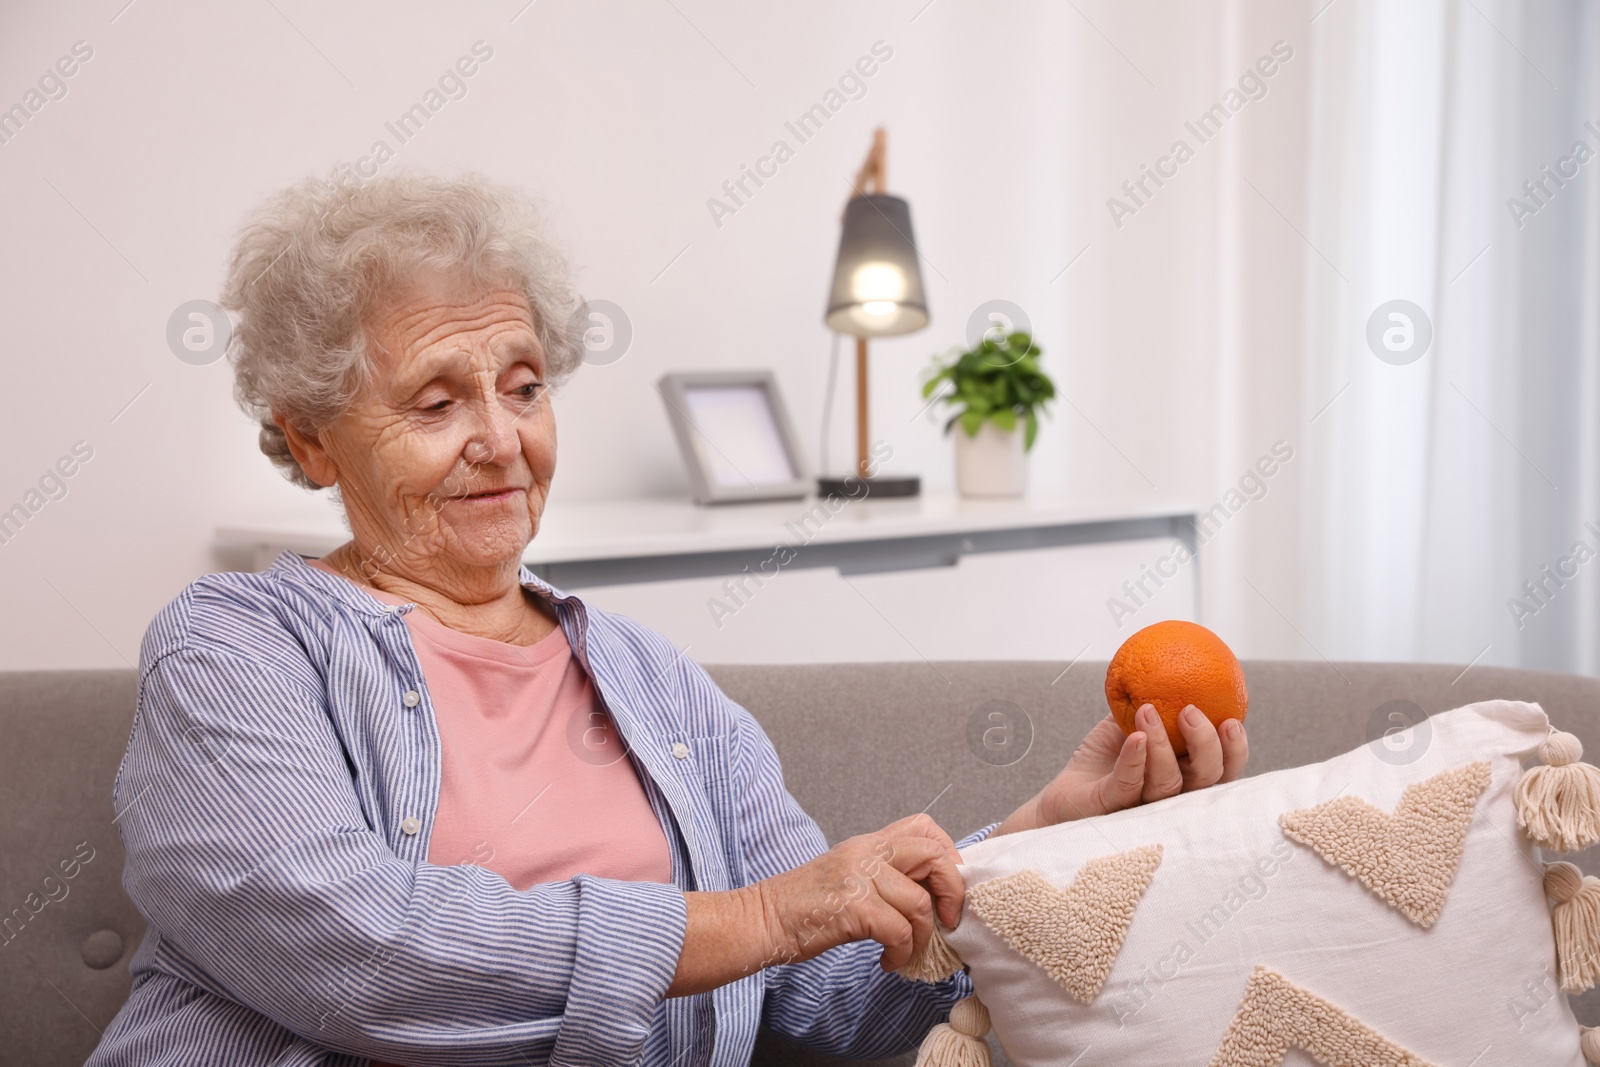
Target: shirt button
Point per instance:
(412, 698)
(410, 825)
(680, 750)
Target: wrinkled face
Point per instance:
(446, 461)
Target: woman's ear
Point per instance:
(308, 452)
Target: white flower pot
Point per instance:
(991, 464)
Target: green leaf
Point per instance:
(1030, 431)
(998, 379)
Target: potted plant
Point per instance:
(998, 391)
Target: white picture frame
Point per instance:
(735, 436)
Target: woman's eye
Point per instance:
(438, 407)
(529, 391)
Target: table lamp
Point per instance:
(877, 292)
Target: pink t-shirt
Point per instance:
(535, 783)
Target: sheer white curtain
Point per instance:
(1436, 489)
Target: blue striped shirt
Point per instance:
(275, 803)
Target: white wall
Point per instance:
(1009, 127)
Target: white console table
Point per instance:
(932, 577)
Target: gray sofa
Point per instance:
(861, 745)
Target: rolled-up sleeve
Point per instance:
(248, 850)
(840, 1002)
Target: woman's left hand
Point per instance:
(1109, 771)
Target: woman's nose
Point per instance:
(495, 438)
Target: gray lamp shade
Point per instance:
(877, 284)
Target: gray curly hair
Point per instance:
(315, 259)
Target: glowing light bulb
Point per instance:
(879, 286)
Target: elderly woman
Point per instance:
(408, 803)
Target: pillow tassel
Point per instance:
(1559, 804)
(1590, 1044)
(959, 1042)
(1577, 925)
(936, 962)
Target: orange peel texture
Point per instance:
(1173, 664)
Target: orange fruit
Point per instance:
(1173, 664)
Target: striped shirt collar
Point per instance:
(297, 569)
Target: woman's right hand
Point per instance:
(887, 887)
(867, 888)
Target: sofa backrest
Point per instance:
(864, 744)
(64, 940)
(861, 745)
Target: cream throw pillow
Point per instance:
(1362, 912)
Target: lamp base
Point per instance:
(856, 488)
